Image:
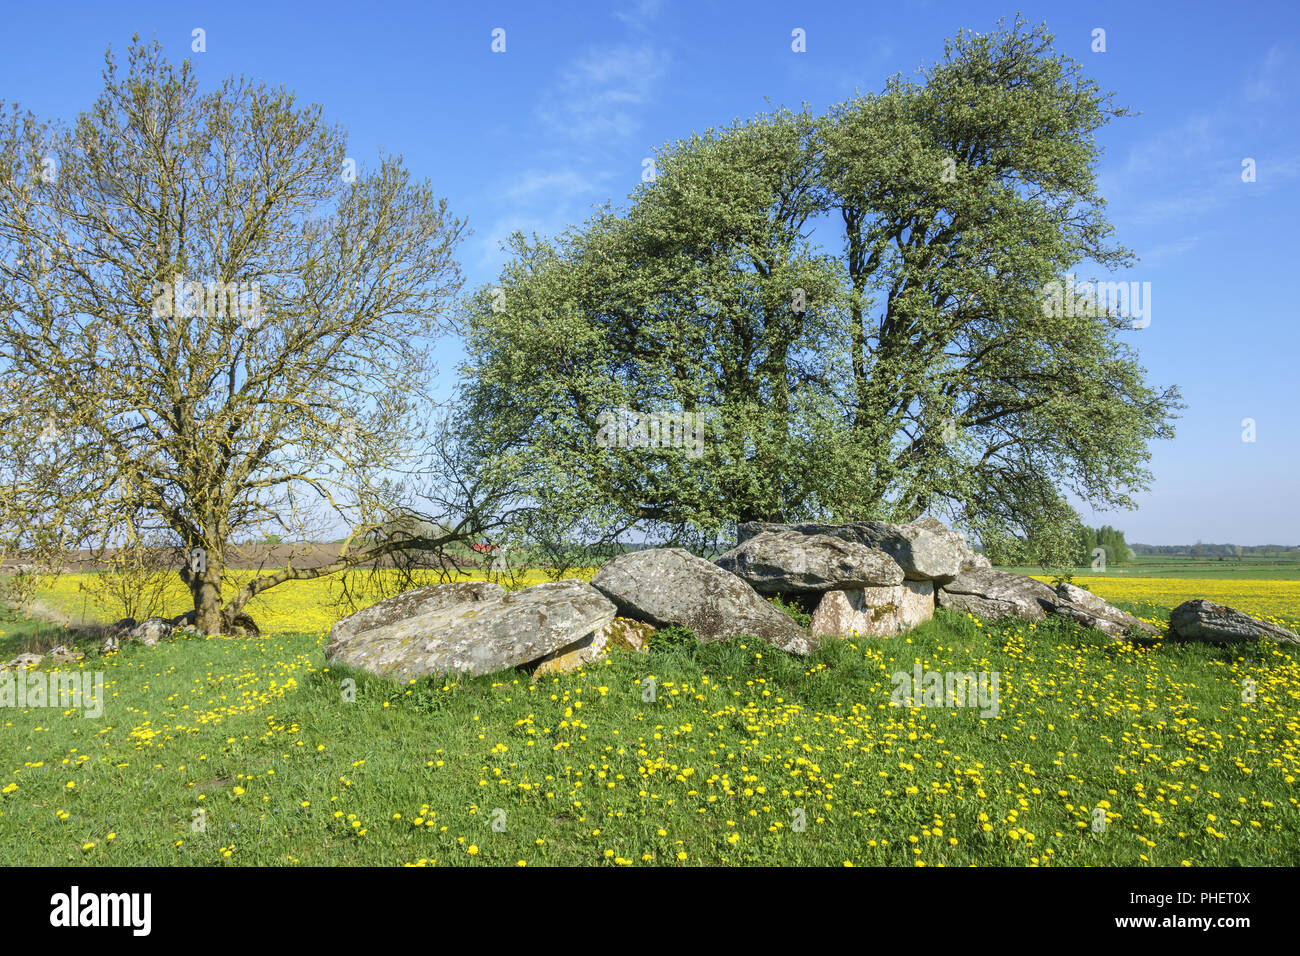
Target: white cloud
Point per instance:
(598, 96)
(1173, 148)
(559, 182)
(639, 14)
(1190, 169)
(1220, 184)
(1168, 250)
(1262, 84)
(591, 115)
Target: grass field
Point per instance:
(227, 751)
(1281, 566)
(744, 756)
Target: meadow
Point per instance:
(1278, 565)
(226, 751)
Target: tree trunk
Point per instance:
(206, 588)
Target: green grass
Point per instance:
(740, 738)
(1274, 567)
(25, 635)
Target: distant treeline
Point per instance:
(1199, 549)
(1015, 551)
(1118, 551)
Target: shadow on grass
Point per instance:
(22, 635)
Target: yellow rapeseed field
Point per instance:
(1276, 601)
(310, 607)
(295, 607)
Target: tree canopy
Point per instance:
(909, 366)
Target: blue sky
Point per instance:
(534, 137)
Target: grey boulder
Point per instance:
(926, 549)
(986, 592)
(748, 529)
(1202, 620)
(473, 635)
(622, 633)
(790, 562)
(149, 632)
(1091, 611)
(65, 655)
(874, 612)
(22, 662)
(667, 586)
(116, 634)
(411, 604)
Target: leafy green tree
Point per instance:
(1109, 539)
(910, 368)
(683, 306)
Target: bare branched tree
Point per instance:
(214, 326)
(133, 582)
